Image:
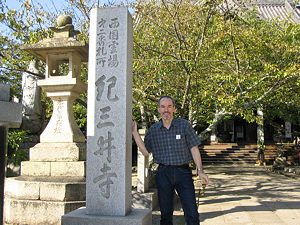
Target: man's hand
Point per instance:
(203, 177)
(138, 140)
(134, 127)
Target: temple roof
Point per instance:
(273, 9)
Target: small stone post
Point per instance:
(142, 168)
(260, 138)
(145, 197)
(288, 130)
(260, 127)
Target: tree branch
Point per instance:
(25, 71)
(219, 115)
(145, 94)
(156, 51)
(143, 109)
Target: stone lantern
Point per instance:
(61, 53)
(52, 182)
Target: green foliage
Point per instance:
(213, 58)
(209, 56)
(30, 24)
(14, 154)
(80, 112)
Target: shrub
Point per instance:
(14, 154)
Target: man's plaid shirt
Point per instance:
(171, 146)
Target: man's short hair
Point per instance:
(166, 96)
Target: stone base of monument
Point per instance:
(51, 184)
(135, 217)
(45, 188)
(147, 200)
(18, 211)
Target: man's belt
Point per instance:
(184, 166)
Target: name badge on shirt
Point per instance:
(178, 137)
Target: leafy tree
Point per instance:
(216, 60)
(28, 25)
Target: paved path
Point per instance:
(245, 195)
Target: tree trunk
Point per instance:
(219, 115)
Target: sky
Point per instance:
(55, 6)
(46, 3)
(50, 4)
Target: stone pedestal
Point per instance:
(56, 159)
(51, 184)
(42, 199)
(80, 217)
(62, 126)
(146, 200)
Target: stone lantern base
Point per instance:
(51, 184)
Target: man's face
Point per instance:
(166, 108)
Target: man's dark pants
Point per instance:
(169, 178)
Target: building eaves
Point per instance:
(272, 9)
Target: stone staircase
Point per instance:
(234, 153)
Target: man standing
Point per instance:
(174, 144)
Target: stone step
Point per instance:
(229, 146)
(252, 162)
(238, 153)
(210, 157)
(236, 146)
(36, 212)
(45, 188)
(50, 152)
(233, 157)
(72, 169)
(272, 146)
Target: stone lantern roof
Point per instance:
(63, 41)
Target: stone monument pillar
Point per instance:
(109, 135)
(31, 101)
(10, 117)
(52, 182)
